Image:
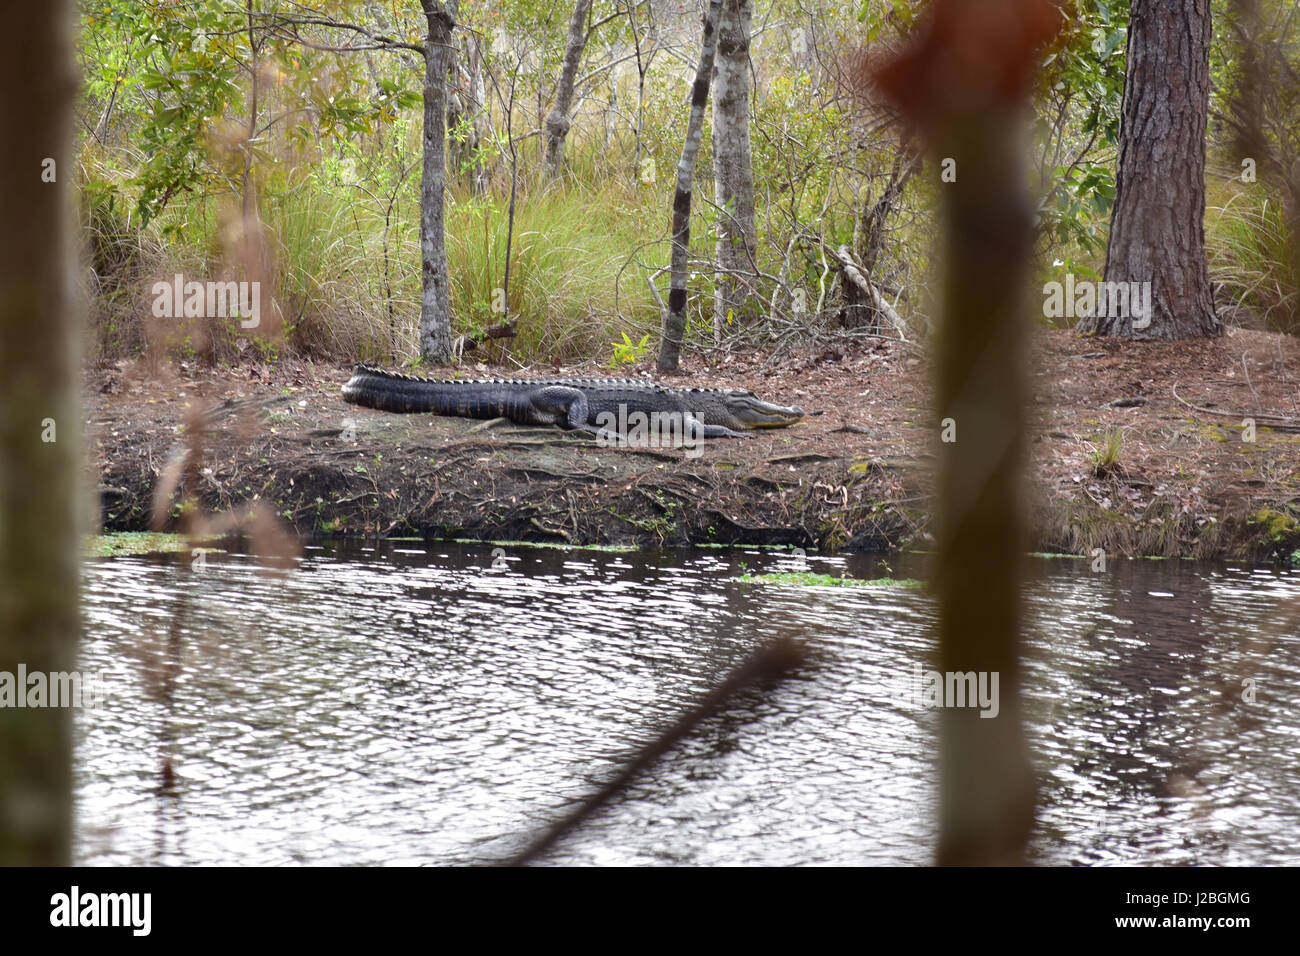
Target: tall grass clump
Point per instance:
(1105, 457)
(1253, 258)
(348, 281)
(118, 255)
(567, 270)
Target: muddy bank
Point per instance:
(854, 476)
(368, 473)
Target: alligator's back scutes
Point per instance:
(641, 383)
(596, 405)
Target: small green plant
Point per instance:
(1276, 525)
(659, 527)
(628, 352)
(1105, 457)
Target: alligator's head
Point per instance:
(742, 410)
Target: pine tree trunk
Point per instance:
(733, 167)
(40, 455)
(1157, 228)
(557, 121)
(674, 324)
(435, 305)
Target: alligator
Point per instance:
(597, 405)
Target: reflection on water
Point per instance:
(418, 705)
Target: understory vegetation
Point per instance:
(215, 143)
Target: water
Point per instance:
(416, 705)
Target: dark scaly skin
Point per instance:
(574, 403)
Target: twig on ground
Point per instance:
(1276, 422)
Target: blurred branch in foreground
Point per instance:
(964, 85)
(772, 661)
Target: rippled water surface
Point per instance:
(433, 703)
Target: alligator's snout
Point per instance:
(752, 412)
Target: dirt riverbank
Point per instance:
(854, 475)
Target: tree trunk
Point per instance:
(254, 88)
(644, 57)
(611, 110)
(40, 455)
(871, 224)
(435, 305)
(557, 122)
(467, 113)
(674, 324)
(1157, 228)
(733, 167)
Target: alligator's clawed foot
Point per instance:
(722, 431)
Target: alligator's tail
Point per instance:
(390, 391)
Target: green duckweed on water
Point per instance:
(809, 580)
(127, 543)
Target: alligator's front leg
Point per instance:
(715, 431)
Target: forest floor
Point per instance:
(854, 475)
